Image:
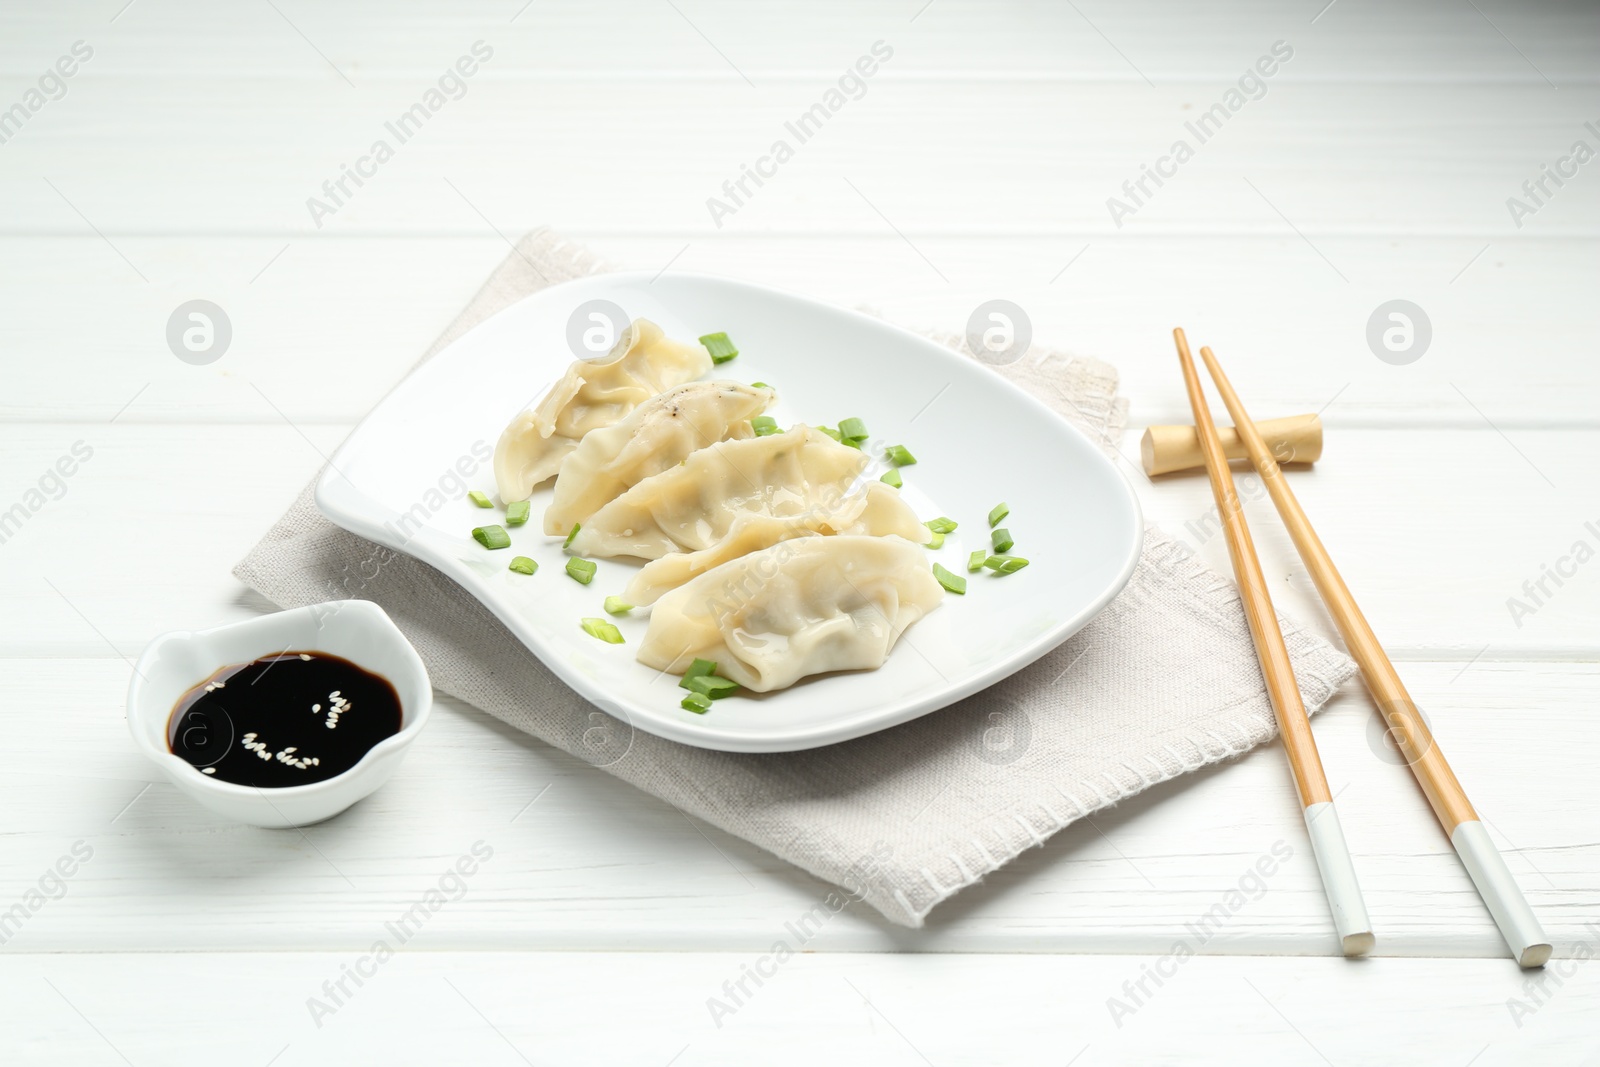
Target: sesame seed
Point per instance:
(304, 656)
(208, 770)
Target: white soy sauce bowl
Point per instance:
(357, 630)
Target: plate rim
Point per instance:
(342, 503)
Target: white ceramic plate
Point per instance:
(401, 479)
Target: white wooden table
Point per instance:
(1376, 166)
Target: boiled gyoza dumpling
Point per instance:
(659, 434)
(884, 512)
(804, 606)
(590, 395)
(693, 505)
(878, 511)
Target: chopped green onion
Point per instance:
(710, 685)
(480, 499)
(1001, 539)
(852, 430)
(935, 540)
(892, 477)
(580, 569)
(975, 561)
(701, 679)
(572, 533)
(900, 455)
(523, 565)
(831, 432)
(603, 630)
(765, 425)
(998, 512)
(615, 605)
(941, 525)
(491, 536)
(697, 669)
(719, 346)
(953, 582)
(760, 385)
(698, 703)
(517, 513)
(1005, 564)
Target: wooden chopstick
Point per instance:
(1483, 861)
(1322, 821)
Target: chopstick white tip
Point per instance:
(1339, 879)
(1535, 955)
(1501, 893)
(1358, 944)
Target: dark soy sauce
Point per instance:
(292, 718)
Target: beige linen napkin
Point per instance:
(1162, 682)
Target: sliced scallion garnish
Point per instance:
(760, 385)
(852, 430)
(697, 669)
(698, 703)
(935, 540)
(603, 630)
(580, 569)
(892, 477)
(975, 561)
(765, 425)
(491, 536)
(997, 513)
(571, 534)
(953, 582)
(831, 432)
(941, 525)
(719, 346)
(1005, 564)
(710, 685)
(480, 499)
(523, 565)
(615, 605)
(516, 513)
(900, 455)
(1001, 539)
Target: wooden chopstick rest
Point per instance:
(1292, 439)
